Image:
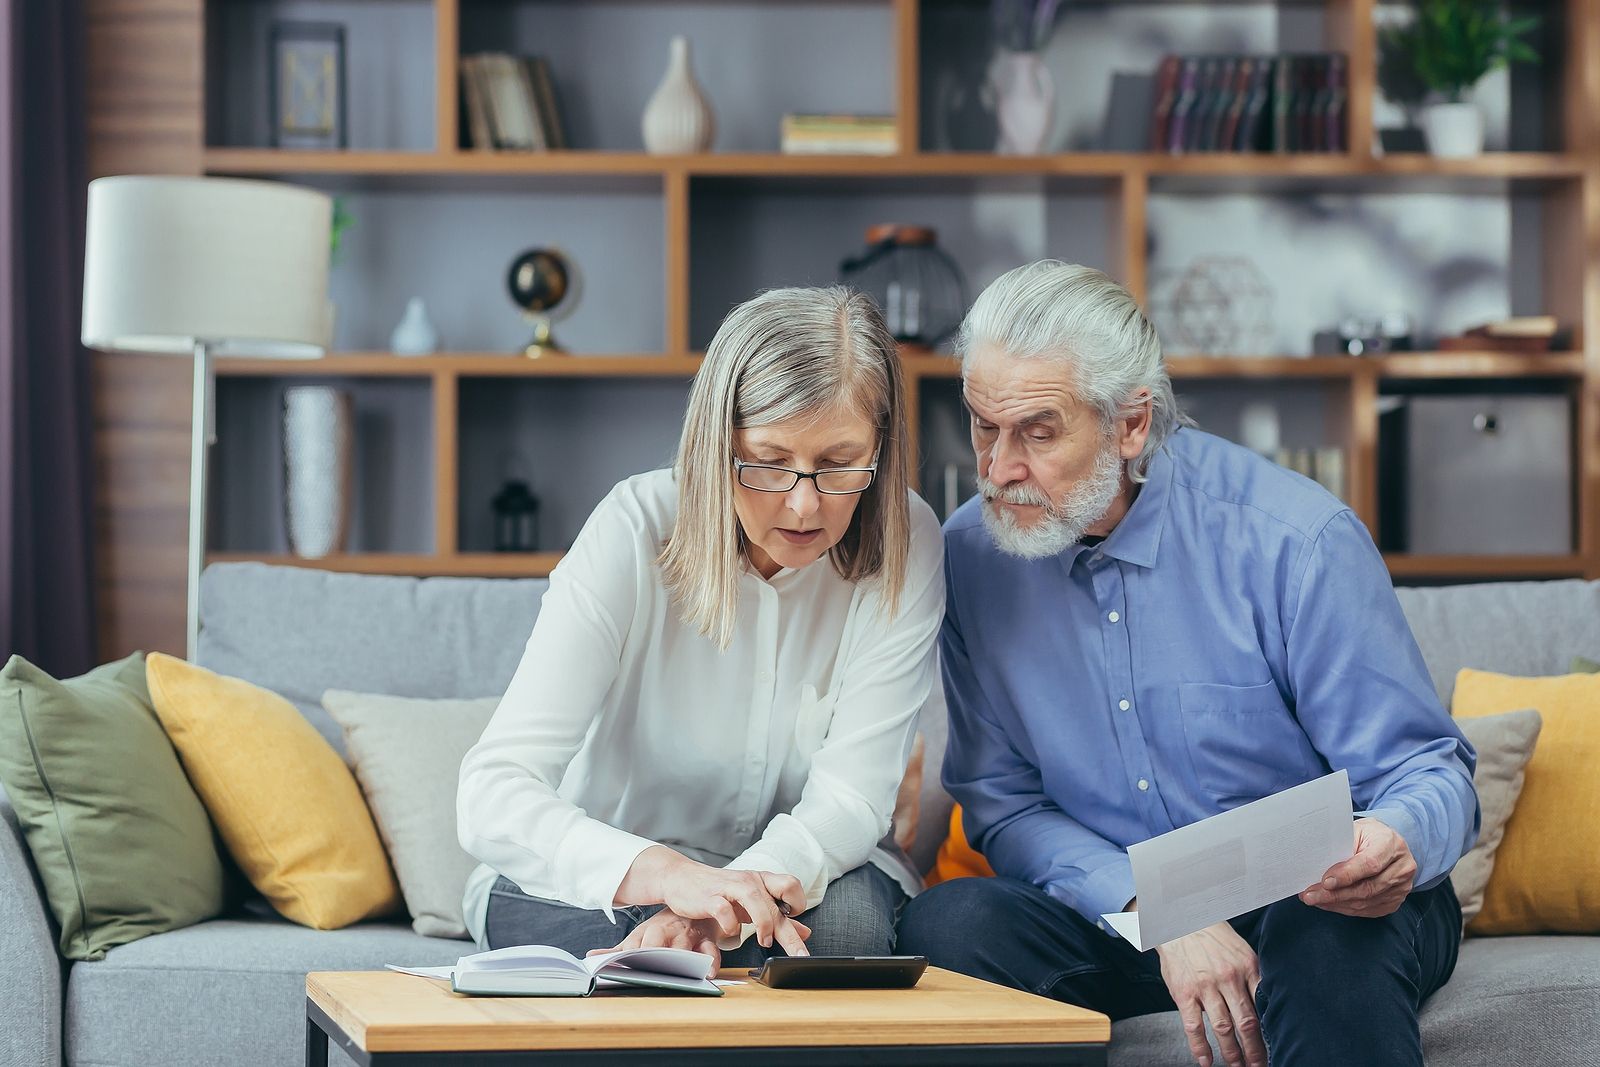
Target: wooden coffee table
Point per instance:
(384, 1017)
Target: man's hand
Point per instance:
(1213, 974)
(1372, 883)
(665, 929)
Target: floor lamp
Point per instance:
(201, 267)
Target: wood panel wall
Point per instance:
(146, 116)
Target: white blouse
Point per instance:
(623, 727)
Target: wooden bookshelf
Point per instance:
(143, 434)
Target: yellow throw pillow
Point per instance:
(957, 859)
(1546, 876)
(286, 805)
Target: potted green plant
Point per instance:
(1449, 46)
(341, 221)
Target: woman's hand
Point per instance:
(728, 898)
(665, 929)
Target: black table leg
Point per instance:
(316, 1043)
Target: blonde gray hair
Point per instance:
(1082, 318)
(787, 354)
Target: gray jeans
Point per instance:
(856, 918)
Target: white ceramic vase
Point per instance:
(1024, 100)
(414, 334)
(318, 468)
(1454, 131)
(678, 119)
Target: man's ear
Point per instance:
(1133, 430)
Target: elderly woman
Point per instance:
(705, 734)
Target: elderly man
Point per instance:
(1146, 626)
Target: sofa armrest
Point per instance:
(31, 975)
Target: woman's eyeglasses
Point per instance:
(835, 481)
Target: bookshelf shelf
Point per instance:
(457, 564)
(1404, 566)
(465, 364)
(1107, 165)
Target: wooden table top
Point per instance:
(386, 1011)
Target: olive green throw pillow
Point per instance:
(123, 846)
(1584, 665)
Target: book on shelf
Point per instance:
(1250, 103)
(544, 971)
(839, 134)
(1530, 334)
(510, 103)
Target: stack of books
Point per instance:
(509, 102)
(844, 135)
(1525, 333)
(1287, 103)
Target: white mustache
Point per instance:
(1018, 494)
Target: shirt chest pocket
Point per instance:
(813, 716)
(1243, 741)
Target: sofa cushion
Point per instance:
(283, 801)
(1523, 1000)
(1546, 876)
(300, 632)
(119, 839)
(407, 755)
(1504, 744)
(225, 991)
(1527, 628)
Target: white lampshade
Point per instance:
(173, 261)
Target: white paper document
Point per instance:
(1222, 867)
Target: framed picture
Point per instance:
(307, 85)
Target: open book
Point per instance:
(543, 971)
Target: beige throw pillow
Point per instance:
(407, 754)
(1505, 744)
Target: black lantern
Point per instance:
(516, 518)
(918, 287)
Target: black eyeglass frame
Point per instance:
(871, 471)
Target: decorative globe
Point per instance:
(539, 279)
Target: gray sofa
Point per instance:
(231, 990)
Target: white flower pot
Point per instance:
(678, 119)
(1454, 131)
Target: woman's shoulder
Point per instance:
(639, 511)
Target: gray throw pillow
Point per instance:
(407, 754)
(1505, 744)
(123, 846)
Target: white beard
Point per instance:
(1061, 525)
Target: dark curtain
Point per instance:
(46, 470)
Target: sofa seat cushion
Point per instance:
(1532, 1001)
(225, 991)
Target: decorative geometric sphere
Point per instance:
(539, 279)
(1221, 305)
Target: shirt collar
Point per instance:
(1138, 536)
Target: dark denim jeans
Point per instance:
(856, 918)
(1334, 989)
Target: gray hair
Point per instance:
(787, 354)
(1082, 318)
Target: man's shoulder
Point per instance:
(1216, 479)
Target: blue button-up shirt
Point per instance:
(1235, 635)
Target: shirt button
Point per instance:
(1114, 617)
(1123, 705)
(1144, 786)
(763, 677)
